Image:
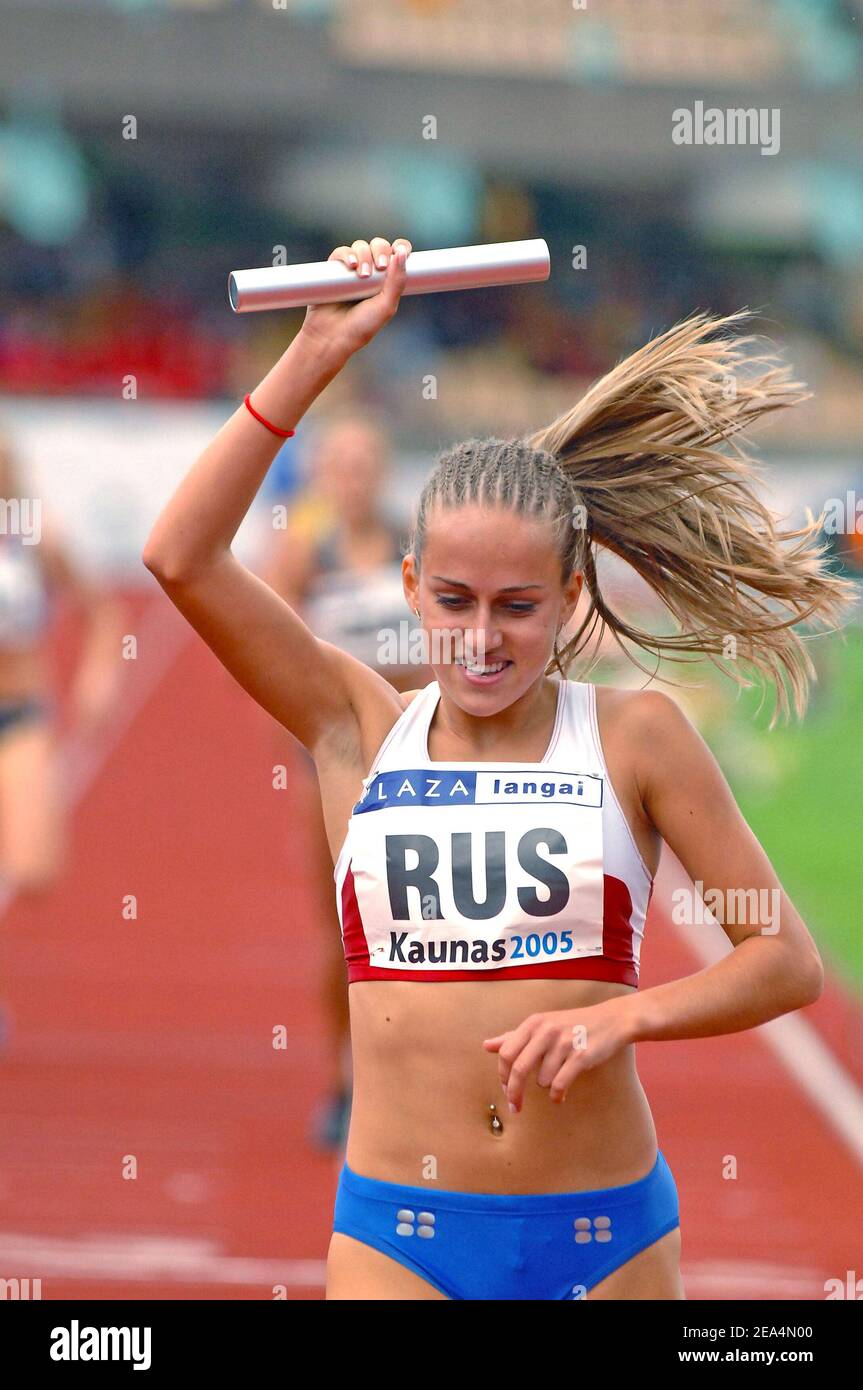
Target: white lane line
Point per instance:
(793, 1040)
(730, 1279)
(148, 1259)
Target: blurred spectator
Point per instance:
(338, 563)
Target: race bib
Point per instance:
(441, 885)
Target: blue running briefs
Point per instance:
(481, 1245)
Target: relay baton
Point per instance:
(428, 272)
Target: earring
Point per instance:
(419, 615)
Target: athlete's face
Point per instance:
(493, 578)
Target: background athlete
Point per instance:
(338, 564)
(36, 573)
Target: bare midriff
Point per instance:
(424, 1085)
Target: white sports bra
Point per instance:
(481, 871)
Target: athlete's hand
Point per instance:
(561, 1045)
(343, 329)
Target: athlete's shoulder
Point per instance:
(642, 710)
(656, 712)
(650, 730)
(408, 696)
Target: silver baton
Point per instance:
(428, 272)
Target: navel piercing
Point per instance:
(496, 1126)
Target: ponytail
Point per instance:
(660, 479)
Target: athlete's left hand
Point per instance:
(561, 1045)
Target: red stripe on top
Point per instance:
(617, 934)
(353, 936)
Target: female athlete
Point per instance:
(502, 827)
(37, 569)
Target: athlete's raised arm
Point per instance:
(308, 685)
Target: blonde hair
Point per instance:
(647, 465)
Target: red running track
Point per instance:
(150, 1041)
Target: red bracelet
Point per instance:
(283, 434)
